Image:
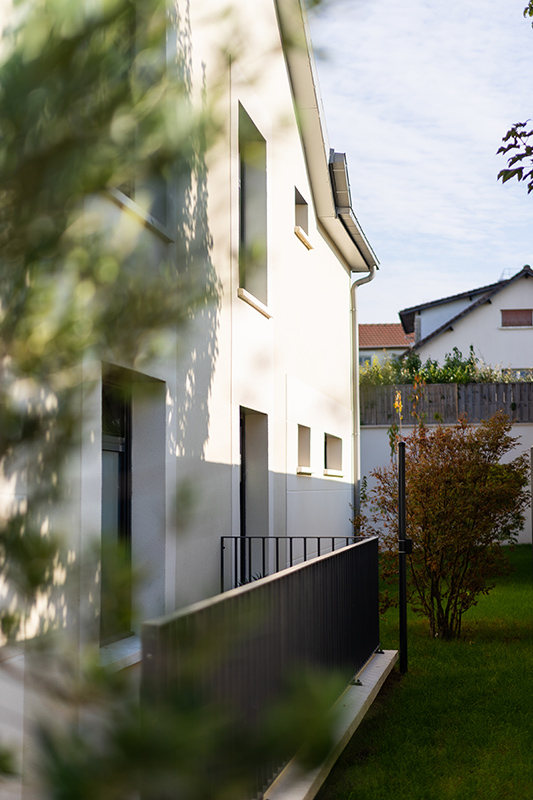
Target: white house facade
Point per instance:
(496, 320)
(248, 424)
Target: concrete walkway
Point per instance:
(292, 783)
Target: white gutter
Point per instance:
(337, 221)
(356, 422)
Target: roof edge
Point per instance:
(346, 235)
(525, 272)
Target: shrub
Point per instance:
(462, 502)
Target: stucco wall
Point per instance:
(375, 453)
(482, 328)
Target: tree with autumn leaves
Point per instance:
(464, 499)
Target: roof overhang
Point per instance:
(331, 193)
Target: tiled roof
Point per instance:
(384, 334)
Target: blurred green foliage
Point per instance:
(88, 106)
(91, 109)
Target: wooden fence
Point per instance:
(445, 402)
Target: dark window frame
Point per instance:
(116, 606)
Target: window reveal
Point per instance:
(115, 613)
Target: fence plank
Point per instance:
(438, 402)
(447, 402)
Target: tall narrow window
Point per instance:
(115, 602)
(332, 454)
(253, 209)
(133, 37)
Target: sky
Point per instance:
(419, 94)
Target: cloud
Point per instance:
(419, 95)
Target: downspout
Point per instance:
(356, 422)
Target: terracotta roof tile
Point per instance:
(384, 334)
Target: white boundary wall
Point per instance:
(375, 452)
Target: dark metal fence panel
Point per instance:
(323, 614)
(247, 558)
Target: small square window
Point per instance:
(517, 318)
(301, 219)
(332, 454)
(301, 216)
(304, 450)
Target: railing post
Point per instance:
(404, 546)
(531, 486)
(222, 548)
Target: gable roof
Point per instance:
(384, 334)
(484, 295)
(407, 316)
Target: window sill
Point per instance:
(302, 236)
(334, 473)
(254, 302)
(121, 654)
(150, 222)
(516, 327)
(304, 471)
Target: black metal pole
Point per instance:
(531, 487)
(402, 566)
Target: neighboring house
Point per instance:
(248, 425)
(382, 340)
(497, 320)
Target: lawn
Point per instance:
(459, 724)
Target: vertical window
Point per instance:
(332, 454)
(115, 603)
(304, 450)
(301, 215)
(517, 318)
(132, 37)
(252, 208)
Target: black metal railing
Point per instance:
(247, 558)
(319, 615)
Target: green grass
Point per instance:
(459, 724)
